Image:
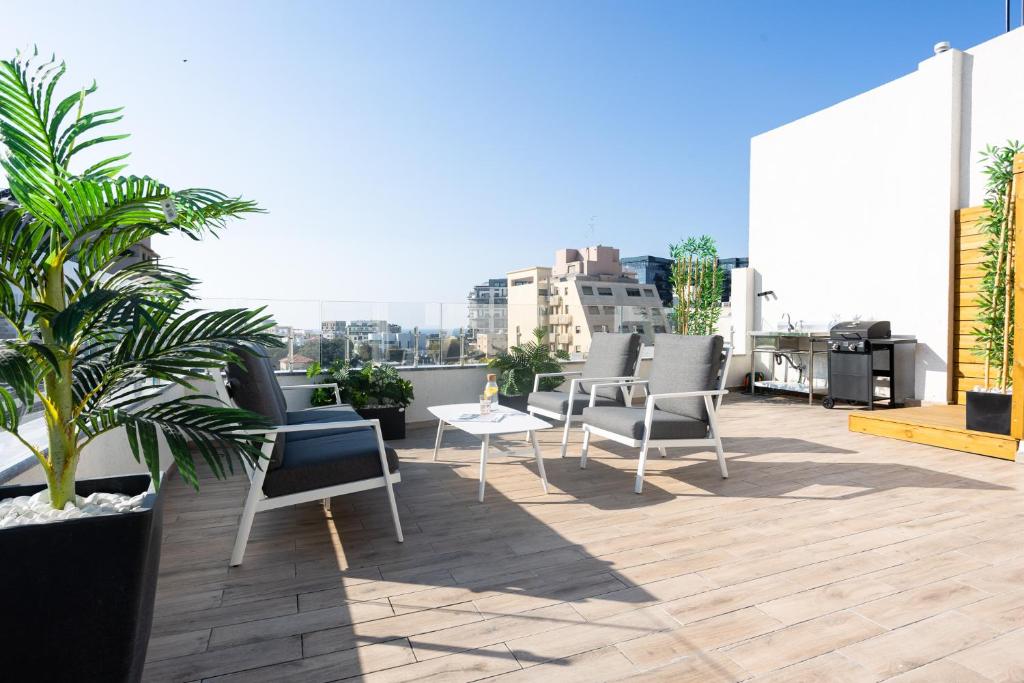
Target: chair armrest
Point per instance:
(623, 382)
(330, 385)
(689, 394)
(539, 375)
(315, 427)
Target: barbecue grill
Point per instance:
(859, 352)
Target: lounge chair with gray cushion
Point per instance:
(612, 357)
(684, 391)
(312, 454)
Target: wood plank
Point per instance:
(932, 433)
(972, 370)
(969, 270)
(965, 313)
(969, 284)
(971, 256)
(973, 241)
(1017, 371)
(815, 524)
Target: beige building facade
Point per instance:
(586, 291)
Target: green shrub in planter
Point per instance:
(376, 391)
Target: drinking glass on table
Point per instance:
(485, 404)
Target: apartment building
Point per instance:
(487, 314)
(333, 329)
(652, 270)
(585, 291)
(361, 330)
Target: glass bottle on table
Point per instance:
(491, 389)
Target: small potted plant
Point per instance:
(97, 341)
(376, 391)
(519, 365)
(988, 405)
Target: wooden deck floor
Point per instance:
(828, 556)
(934, 425)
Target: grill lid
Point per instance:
(861, 329)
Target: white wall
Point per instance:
(851, 208)
(993, 88)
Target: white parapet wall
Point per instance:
(851, 208)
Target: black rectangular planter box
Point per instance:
(988, 412)
(392, 421)
(78, 594)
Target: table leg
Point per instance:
(483, 465)
(437, 441)
(540, 461)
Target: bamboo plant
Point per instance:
(96, 338)
(697, 282)
(994, 331)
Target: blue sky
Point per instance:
(408, 150)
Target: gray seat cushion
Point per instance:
(338, 457)
(630, 422)
(611, 355)
(685, 363)
(342, 413)
(558, 401)
(253, 386)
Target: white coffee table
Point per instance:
(513, 422)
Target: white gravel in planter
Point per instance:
(36, 509)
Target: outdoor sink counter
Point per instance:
(798, 347)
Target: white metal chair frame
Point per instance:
(258, 501)
(713, 438)
(574, 388)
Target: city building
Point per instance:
(487, 315)
(294, 362)
(652, 270)
(586, 291)
(333, 329)
(360, 330)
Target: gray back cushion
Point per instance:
(685, 363)
(254, 387)
(611, 355)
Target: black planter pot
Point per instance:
(392, 421)
(514, 402)
(988, 412)
(78, 594)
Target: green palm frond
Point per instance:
(98, 341)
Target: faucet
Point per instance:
(789, 321)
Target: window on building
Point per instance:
(648, 292)
(588, 290)
(609, 310)
(522, 281)
(604, 291)
(594, 309)
(632, 291)
(577, 329)
(565, 291)
(577, 349)
(659, 328)
(542, 292)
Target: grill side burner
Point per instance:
(859, 352)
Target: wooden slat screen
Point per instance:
(967, 368)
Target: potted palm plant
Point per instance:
(519, 365)
(988, 405)
(97, 341)
(376, 391)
